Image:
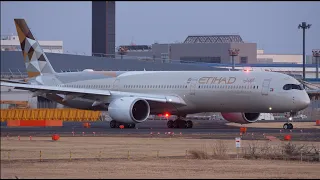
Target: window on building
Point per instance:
(201, 59)
(244, 60)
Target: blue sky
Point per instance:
(272, 25)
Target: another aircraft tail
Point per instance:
(34, 57)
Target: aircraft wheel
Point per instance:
(170, 124)
(133, 125)
(290, 126)
(126, 125)
(113, 124)
(175, 124)
(189, 124)
(186, 125)
(118, 125)
(181, 123)
(130, 125)
(286, 126)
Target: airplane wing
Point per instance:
(13, 81)
(92, 93)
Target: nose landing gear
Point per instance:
(287, 126)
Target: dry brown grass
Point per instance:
(284, 151)
(219, 150)
(198, 154)
(113, 161)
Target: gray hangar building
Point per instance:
(210, 49)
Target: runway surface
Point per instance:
(201, 129)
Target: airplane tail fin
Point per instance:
(34, 57)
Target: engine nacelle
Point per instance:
(241, 118)
(129, 110)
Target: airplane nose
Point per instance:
(304, 101)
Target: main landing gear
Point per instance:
(115, 124)
(179, 123)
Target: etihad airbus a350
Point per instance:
(130, 97)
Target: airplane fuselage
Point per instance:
(203, 91)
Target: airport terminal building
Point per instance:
(11, 43)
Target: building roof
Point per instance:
(136, 47)
(213, 39)
(284, 65)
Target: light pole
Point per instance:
(316, 55)
(304, 26)
(233, 52)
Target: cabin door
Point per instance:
(265, 87)
(116, 85)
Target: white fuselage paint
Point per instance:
(209, 91)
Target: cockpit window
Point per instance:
(293, 86)
(301, 86)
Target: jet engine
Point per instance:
(241, 118)
(129, 110)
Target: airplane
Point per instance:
(131, 96)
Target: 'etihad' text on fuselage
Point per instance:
(217, 80)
